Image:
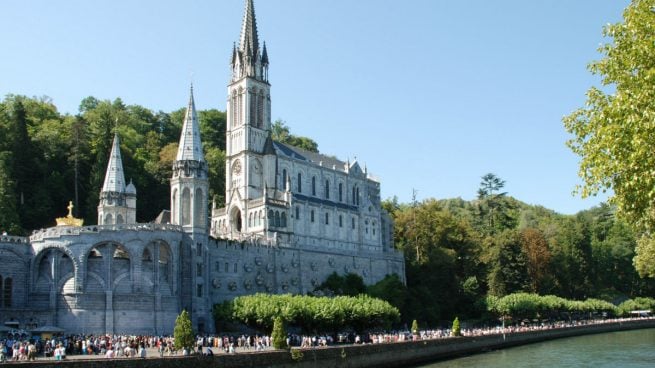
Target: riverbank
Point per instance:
(401, 354)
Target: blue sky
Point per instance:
(429, 95)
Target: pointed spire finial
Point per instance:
(249, 42)
(190, 147)
(114, 177)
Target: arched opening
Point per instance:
(108, 219)
(236, 219)
(199, 209)
(146, 256)
(277, 219)
(299, 183)
(283, 220)
(164, 267)
(340, 192)
(313, 185)
(174, 204)
(186, 207)
(119, 219)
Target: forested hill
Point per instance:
(457, 252)
(48, 158)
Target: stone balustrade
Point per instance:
(13, 239)
(59, 231)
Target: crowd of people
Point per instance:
(20, 347)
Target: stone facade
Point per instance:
(291, 218)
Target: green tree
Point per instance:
(391, 289)
(183, 332)
(456, 330)
(535, 247)
(613, 133)
(495, 210)
(280, 132)
(279, 335)
(8, 215)
(415, 327)
(508, 270)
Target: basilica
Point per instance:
(290, 219)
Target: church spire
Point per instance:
(249, 44)
(190, 147)
(248, 60)
(114, 177)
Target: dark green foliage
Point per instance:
(351, 284)
(390, 289)
(183, 332)
(280, 132)
(279, 335)
(508, 271)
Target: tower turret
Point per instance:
(117, 205)
(189, 184)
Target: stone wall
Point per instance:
(361, 356)
(241, 268)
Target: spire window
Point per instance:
(252, 104)
(260, 110)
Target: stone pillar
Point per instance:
(109, 312)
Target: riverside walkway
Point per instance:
(514, 335)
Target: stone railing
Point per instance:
(13, 239)
(55, 232)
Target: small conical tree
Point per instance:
(183, 332)
(415, 327)
(456, 330)
(278, 335)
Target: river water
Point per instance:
(616, 349)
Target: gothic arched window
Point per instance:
(283, 219)
(299, 183)
(327, 189)
(253, 104)
(284, 179)
(277, 219)
(235, 114)
(186, 206)
(199, 209)
(313, 185)
(340, 192)
(260, 110)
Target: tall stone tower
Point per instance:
(248, 126)
(189, 193)
(189, 185)
(117, 202)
